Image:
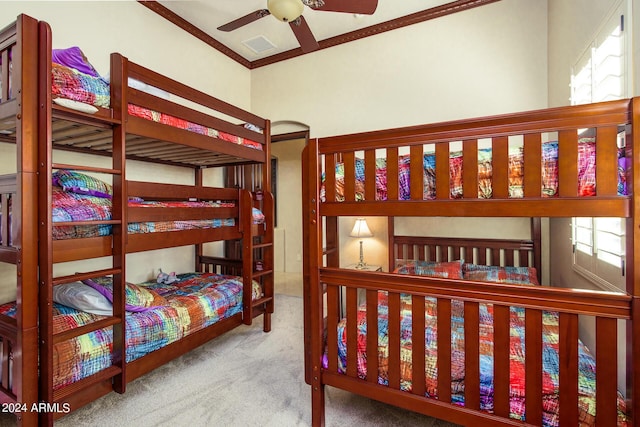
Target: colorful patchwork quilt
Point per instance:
(193, 303)
(70, 206)
(517, 365)
(549, 172)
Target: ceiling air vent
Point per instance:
(259, 44)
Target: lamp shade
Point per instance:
(361, 229)
(285, 10)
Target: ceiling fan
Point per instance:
(291, 11)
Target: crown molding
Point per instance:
(403, 21)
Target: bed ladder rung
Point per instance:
(86, 223)
(85, 329)
(258, 302)
(262, 245)
(83, 276)
(62, 394)
(87, 168)
(261, 273)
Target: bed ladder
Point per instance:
(257, 256)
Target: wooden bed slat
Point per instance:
(501, 352)
(433, 254)
(333, 314)
(394, 340)
(349, 177)
(568, 349)
(443, 190)
(392, 174)
(352, 331)
(418, 345)
(471, 355)
(532, 165)
(416, 172)
(470, 169)
(500, 167)
(370, 175)
(567, 163)
(533, 366)
(372, 336)
(509, 258)
(330, 178)
(606, 161)
(444, 350)
(606, 372)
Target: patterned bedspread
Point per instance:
(145, 113)
(69, 83)
(549, 171)
(69, 206)
(193, 303)
(517, 367)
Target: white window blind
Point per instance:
(600, 74)
(598, 251)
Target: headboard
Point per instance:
(504, 252)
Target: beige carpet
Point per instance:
(244, 378)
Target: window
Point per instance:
(600, 74)
(598, 251)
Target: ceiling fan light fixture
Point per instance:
(285, 10)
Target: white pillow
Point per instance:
(82, 297)
(76, 105)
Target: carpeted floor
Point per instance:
(243, 378)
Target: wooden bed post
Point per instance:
(246, 202)
(313, 303)
(266, 167)
(199, 266)
(633, 260)
(45, 260)
(536, 237)
(306, 254)
(391, 232)
(119, 69)
(25, 238)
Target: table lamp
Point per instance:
(360, 230)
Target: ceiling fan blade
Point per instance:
(304, 35)
(247, 19)
(363, 7)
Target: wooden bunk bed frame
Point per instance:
(326, 283)
(30, 120)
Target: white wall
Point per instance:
(288, 233)
(483, 61)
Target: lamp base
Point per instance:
(361, 265)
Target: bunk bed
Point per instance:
(461, 329)
(44, 109)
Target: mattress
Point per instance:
(189, 305)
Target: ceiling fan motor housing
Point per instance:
(285, 10)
